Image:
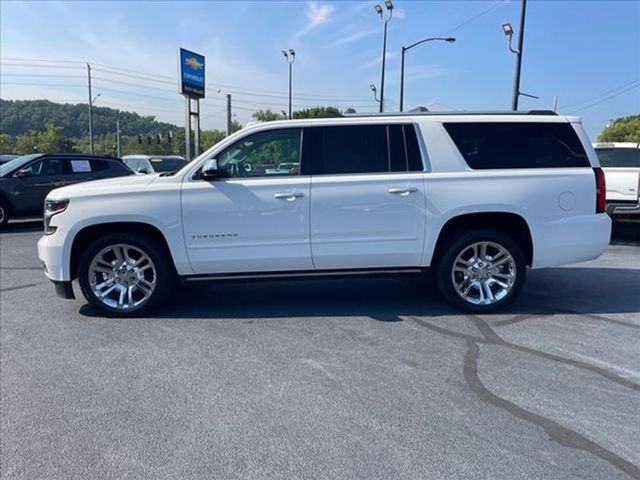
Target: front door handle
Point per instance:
(402, 190)
(289, 196)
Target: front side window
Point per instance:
(264, 154)
(46, 167)
(489, 145)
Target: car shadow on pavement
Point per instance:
(22, 226)
(573, 290)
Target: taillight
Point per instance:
(601, 191)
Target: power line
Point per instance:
(606, 98)
(471, 19)
(173, 81)
(595, 97)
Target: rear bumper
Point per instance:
(570, 240)
(624, 210)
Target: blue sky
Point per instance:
(585, 52)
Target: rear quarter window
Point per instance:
(500, 145)
(619, 157)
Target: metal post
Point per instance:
(118, 138)
(187, 128)
(402, 80)
(90, 109)
(196, 129)
(290, 69)
(384, 57)
(555, 103)
(516, 80)
(229, 126)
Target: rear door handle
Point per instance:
(289, 196)
(402, 190)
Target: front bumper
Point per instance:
(64, 289)
(51, 253)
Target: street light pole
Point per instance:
(508, 31)
(290, 57)
(516, 80)
(406, 49)
(389, 6)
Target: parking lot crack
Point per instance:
(19, 287)
(559, 433)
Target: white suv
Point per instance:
(478, 197)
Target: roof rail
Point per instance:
(457, 112)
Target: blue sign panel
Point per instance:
(191, 74)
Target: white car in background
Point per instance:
(145, 164)
(620, 162)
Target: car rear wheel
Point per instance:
(481, 271)
(4, 212)
(125, 275)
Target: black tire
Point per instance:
(5, 212)
(444, 269)
(164, 273)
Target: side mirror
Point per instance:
(210, 170)
(22, 173)
(143, 170)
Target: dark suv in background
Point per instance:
(25, 181)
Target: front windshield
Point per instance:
(167, 164)
(16, 163)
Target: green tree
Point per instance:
(317, 112)
(267, 115)
(6, 143)
(626, 129)
(28, 142)
(52, 140)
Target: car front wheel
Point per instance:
(125, 275)
(4, 213)
(481, 271)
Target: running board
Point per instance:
(376, 272)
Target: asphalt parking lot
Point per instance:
(372, 379)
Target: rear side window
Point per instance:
(619, 157)
(353, 149)
(518, 145)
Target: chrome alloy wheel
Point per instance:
(2, 214)
(122, 276)
(483, 273)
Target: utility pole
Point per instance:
(229, 126)
(516, 80)
(118, 138)
(90, 110)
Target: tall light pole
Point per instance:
(389, 6)
(290, 57)
(508, 31)
(405, 50)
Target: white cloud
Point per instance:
(378, 61)
(354, 37)
(317, 14)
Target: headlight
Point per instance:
(51, 208)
